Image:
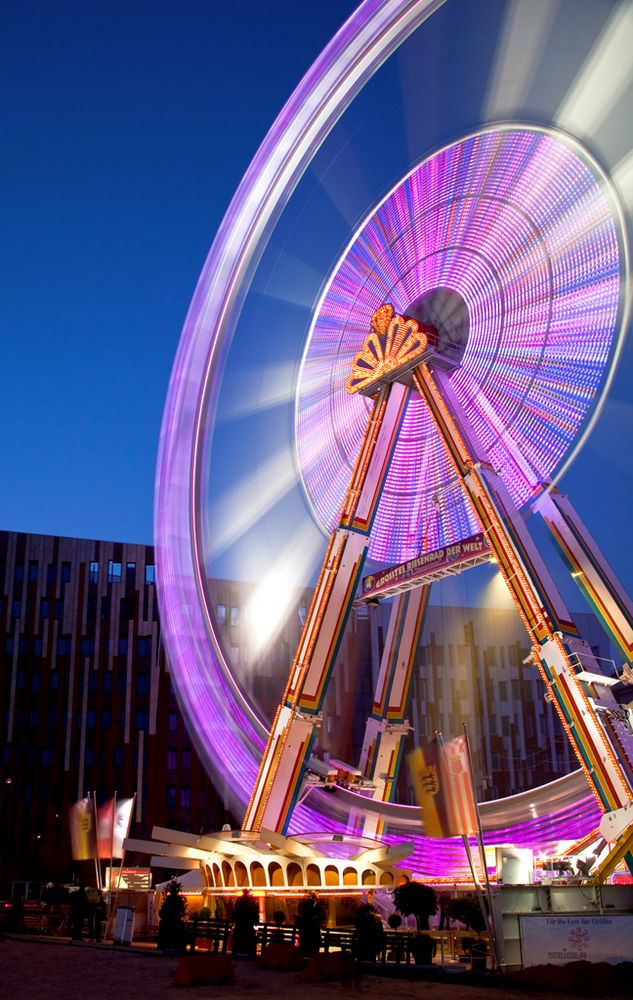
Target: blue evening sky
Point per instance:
(126, 127)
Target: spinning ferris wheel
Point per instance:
(501, 243)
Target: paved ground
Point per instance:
(57, 970)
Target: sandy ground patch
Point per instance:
(45, 970)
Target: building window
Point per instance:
(172, 722)
(16, 609)
(142, 683)
(114, 572)
(171, 795)
(65, 572)
(32, 718)
(185, 796)
(59, 610)
(93, 572)
(87, 646)
(51, 573)
(118, 756)
(63, 645)
(121, 681)
(144, 645)
(48, 756)
(234, 615)
(150, 573)
(127, 609)
(221, 614)
(172, 759)
(141, 719)
(38, 646)
(186, 759)
(54, 681)
(19, 572)
(52, 718)
(35, 682)
(107, 681)
(123, 645)
(9, 643)
(33, 571)
(503, 690)
(91, 718)
(89, 756)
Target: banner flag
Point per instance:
(444, 788)
(121, 828)
(105, 819)
(82, 830)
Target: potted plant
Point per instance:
(467, 910)
(310, 918)
(416, 899)
(172, 932)
(395, 920)
(279, 918)
(369, 938)
(245, 919)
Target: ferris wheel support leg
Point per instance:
(602, 743)
(589, 568)
(386, 729)
(295, 727)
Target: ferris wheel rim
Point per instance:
(175, 591)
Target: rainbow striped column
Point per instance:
(295, 727)
(386, 727)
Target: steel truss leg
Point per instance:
(387, 728)
(592, 573)
(298, 717)
(601, 741)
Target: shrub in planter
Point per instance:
(310, 918)
(467, 910)
(279, 918)
(416, 899)
(172, 932)
(245, 919)
(369, 939)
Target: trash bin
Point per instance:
(123, 925)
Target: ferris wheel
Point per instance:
(502, 226)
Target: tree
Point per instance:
(420, 901)
(416, 899)
(369, 938)
(245, 919)
(171, 919)
(310, 917)
(467, 910)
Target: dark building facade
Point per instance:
(87, 703)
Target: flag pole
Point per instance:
(490, 917)
(96, 820)
(123, 849)
(112, 842)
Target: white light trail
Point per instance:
(258, 389)
(604, 77)
(526, 26)
(240, 509)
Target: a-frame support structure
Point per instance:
(396, 359)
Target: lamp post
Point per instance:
(3, 854)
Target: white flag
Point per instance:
(121, 827)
